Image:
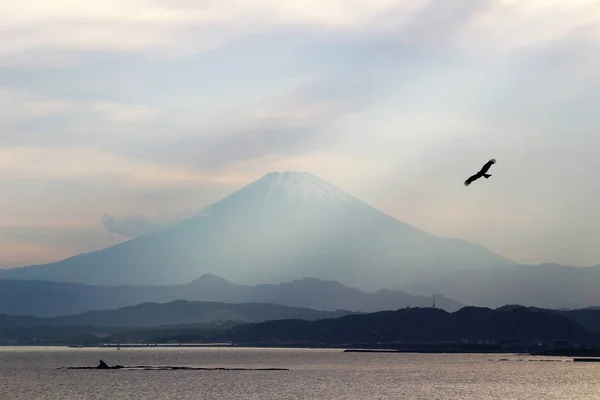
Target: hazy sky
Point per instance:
(121, 116)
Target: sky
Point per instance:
(123, 117)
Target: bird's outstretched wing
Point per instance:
(472, 178)
(487, 166)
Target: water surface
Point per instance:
(32, 373)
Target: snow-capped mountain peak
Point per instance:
(286, 188)
(302, 186)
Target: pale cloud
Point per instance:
(61, 162)
(518, 24)
(131, 25)
(22, 106)
(292, 120)
(187, 27)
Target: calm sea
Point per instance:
(31, 373)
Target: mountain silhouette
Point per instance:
(282, 227)
(417, 325)
(47, 299)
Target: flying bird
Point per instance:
(481, 173)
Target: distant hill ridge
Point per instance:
(511, 322)
(269, 324)
(45, 299)
(173, 313)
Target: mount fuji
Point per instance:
(284, 226)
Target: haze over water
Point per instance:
(31, 373)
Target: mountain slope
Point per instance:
(282, 227)
(45, 299)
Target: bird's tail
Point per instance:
(486, 176)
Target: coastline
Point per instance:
(415, 349)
